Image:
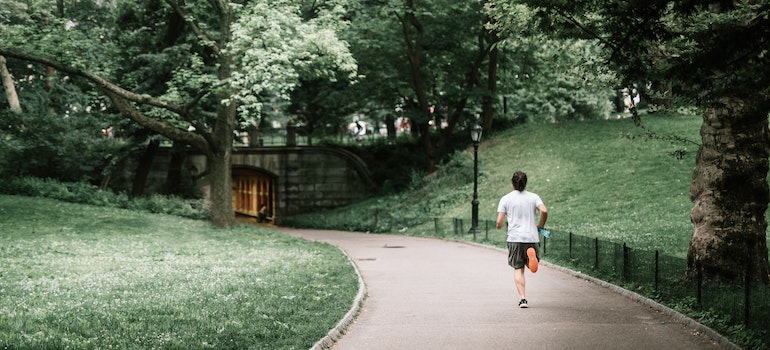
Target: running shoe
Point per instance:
(532, 259)
(523, 303)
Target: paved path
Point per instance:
(432, 294)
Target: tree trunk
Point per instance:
(221, 150)
(730, 193)
(221, 188)
(488, 108)
(10, 88)
(220, 164)
(174, 184)
(143, 168)
(390, 124)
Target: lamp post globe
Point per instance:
(476, 132)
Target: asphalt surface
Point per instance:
(423, 293)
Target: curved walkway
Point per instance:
(432, 294)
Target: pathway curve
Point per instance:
(427, 293)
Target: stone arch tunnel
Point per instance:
(292, 180)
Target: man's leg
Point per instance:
(518, 277)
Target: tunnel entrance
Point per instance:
(253, 189)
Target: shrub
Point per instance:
(79, 192)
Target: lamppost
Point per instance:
(476, 137)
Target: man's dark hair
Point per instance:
(519, 181)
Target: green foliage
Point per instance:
(63, 143)
(35, 26)
(545, 80)
(658, 276)
(84, 277)
(737, 333)
(690, 45)
(275, 47)
(79, 192)
(391, 164)
(605, 179)
(249, 52)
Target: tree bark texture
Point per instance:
(220, 162)
(10, 88)
(730, 193)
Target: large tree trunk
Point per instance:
(221, 199)
(730, 193)
(220, 165)
(10, 88)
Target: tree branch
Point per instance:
(121, 98)
(198, 141)
(10, 88)
(194, 26)
(583, 28)
(104, 84)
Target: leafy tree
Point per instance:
(430, 58)
(543, 81)
(57, 136)
(320, 99)
(236, 52)
(713, 54)
(442, 63)
(58, 133)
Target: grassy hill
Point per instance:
(608, 179)
(603, 178)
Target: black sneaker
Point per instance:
(523, 303)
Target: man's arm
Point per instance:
(543, 215)
(500, 220)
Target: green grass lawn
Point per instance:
(84, 277)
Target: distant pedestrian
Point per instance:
(262, 216)
(519, 207)
(108, 132)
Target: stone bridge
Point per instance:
(292, 180)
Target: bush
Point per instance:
(79, 192)
(65, 145)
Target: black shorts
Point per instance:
(517, 253)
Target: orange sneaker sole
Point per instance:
(532, 259)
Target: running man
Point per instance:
(519, 208)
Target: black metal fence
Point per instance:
(726, 307)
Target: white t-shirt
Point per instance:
(519, 208)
